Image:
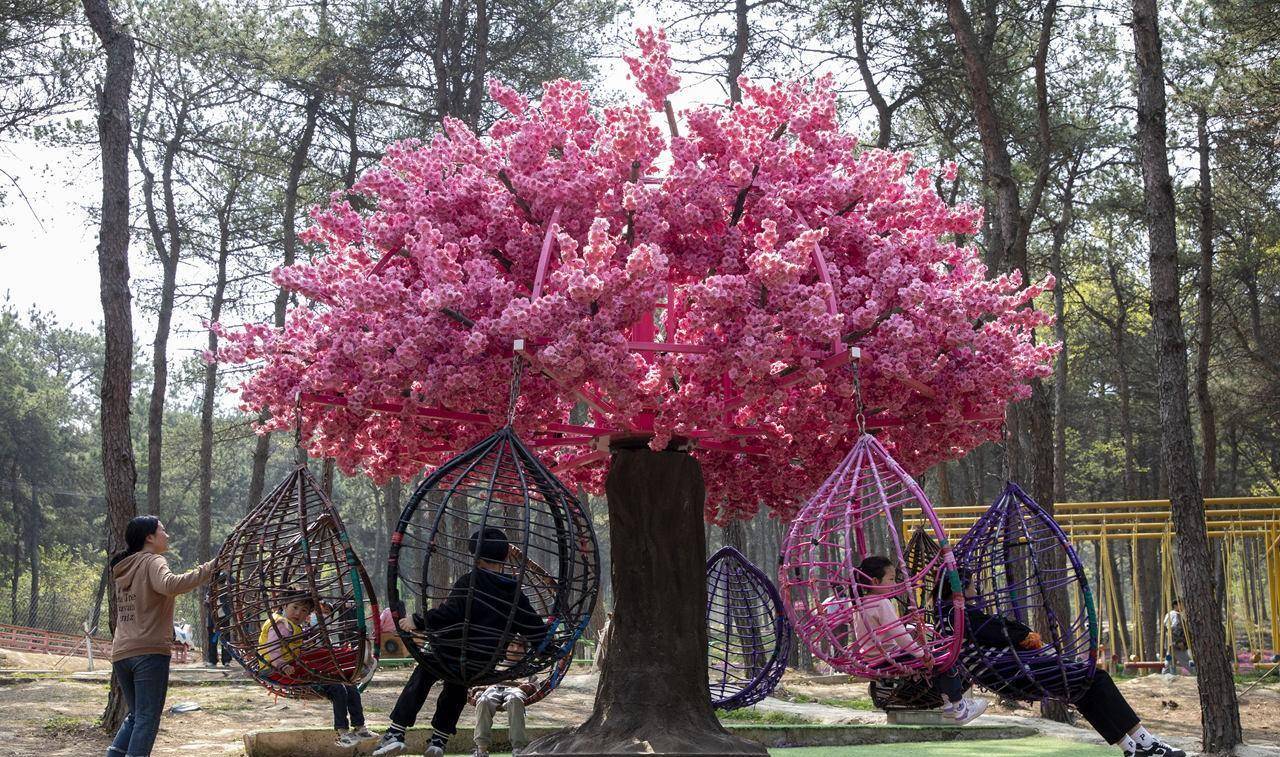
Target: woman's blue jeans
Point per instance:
(144, 681)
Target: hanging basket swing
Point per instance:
(748, 636)
(1014, 558)
(499, 561)
(914, 693)
(293, 548)
(855, 514)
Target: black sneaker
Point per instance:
(1159, 749)
(390, 744)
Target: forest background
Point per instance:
(246, 114)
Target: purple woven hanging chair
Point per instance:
(748, 637)
(857, 513)
(1014, 557)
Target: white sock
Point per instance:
(1128, 745)
(1143, 737)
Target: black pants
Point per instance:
(1106, 709)
(345, 701)
(211, 650)
(453, 698)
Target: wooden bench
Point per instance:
(1149, 665)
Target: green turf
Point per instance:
(1034, 747)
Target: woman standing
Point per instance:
(144, 592)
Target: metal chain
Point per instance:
(297, 427)
(861, 417)
(517, 368)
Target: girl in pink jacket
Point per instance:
(876, 624)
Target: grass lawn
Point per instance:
(1033, 747)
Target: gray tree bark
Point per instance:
(297, 164)
(119, 473)
(1204, 307)
(653, 695)
(1220, 723)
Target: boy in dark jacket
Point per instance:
(467, 645)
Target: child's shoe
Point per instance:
(966, 710)
(434, 750)
(346, 739)
(363, 733)
(1158, 749)
(391, 743)
(479, 751)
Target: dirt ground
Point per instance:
(54, 716)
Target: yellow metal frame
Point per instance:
(1233, 520)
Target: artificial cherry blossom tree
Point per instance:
(696, 293)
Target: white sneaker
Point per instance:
(966, 710)
(347, 739)
(363, 732)
(434, 751)
(390, 744)
(479, 751)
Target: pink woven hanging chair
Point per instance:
(842, 615)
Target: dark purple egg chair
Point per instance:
(551, 565)
(748, 636)
(1014, 557)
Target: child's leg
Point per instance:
(337, 696)
(355, 707)
(949, 686)
(453, 698)
(515, 717)
(1106, 709)
(411, 699)
(485, 707)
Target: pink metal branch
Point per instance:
(545, 257)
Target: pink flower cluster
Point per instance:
(711, 239)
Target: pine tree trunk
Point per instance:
(1220, 710)
(297, 164)
(653, 695)
(392, 504)
(119, 473)
(31, 528)
(207, 401)
(1204, 283)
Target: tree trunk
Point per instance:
(1204, 283)
(738, 54)
(164, 316)
(735, 535)
(1060, 230)
(392, 504)
(298, 163)
(1218, 703)
(31, 527)
(944, 485)
(653, 695)
(205, 537)
(16, 559)
(119, 474)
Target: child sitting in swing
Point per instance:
(506, 697)
(876, 619)
(280, 643)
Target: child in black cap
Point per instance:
(468, 645)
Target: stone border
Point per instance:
(318, 742)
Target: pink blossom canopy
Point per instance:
(722, 240)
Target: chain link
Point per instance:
(861, 417)
(517, 368)
(297, 428)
